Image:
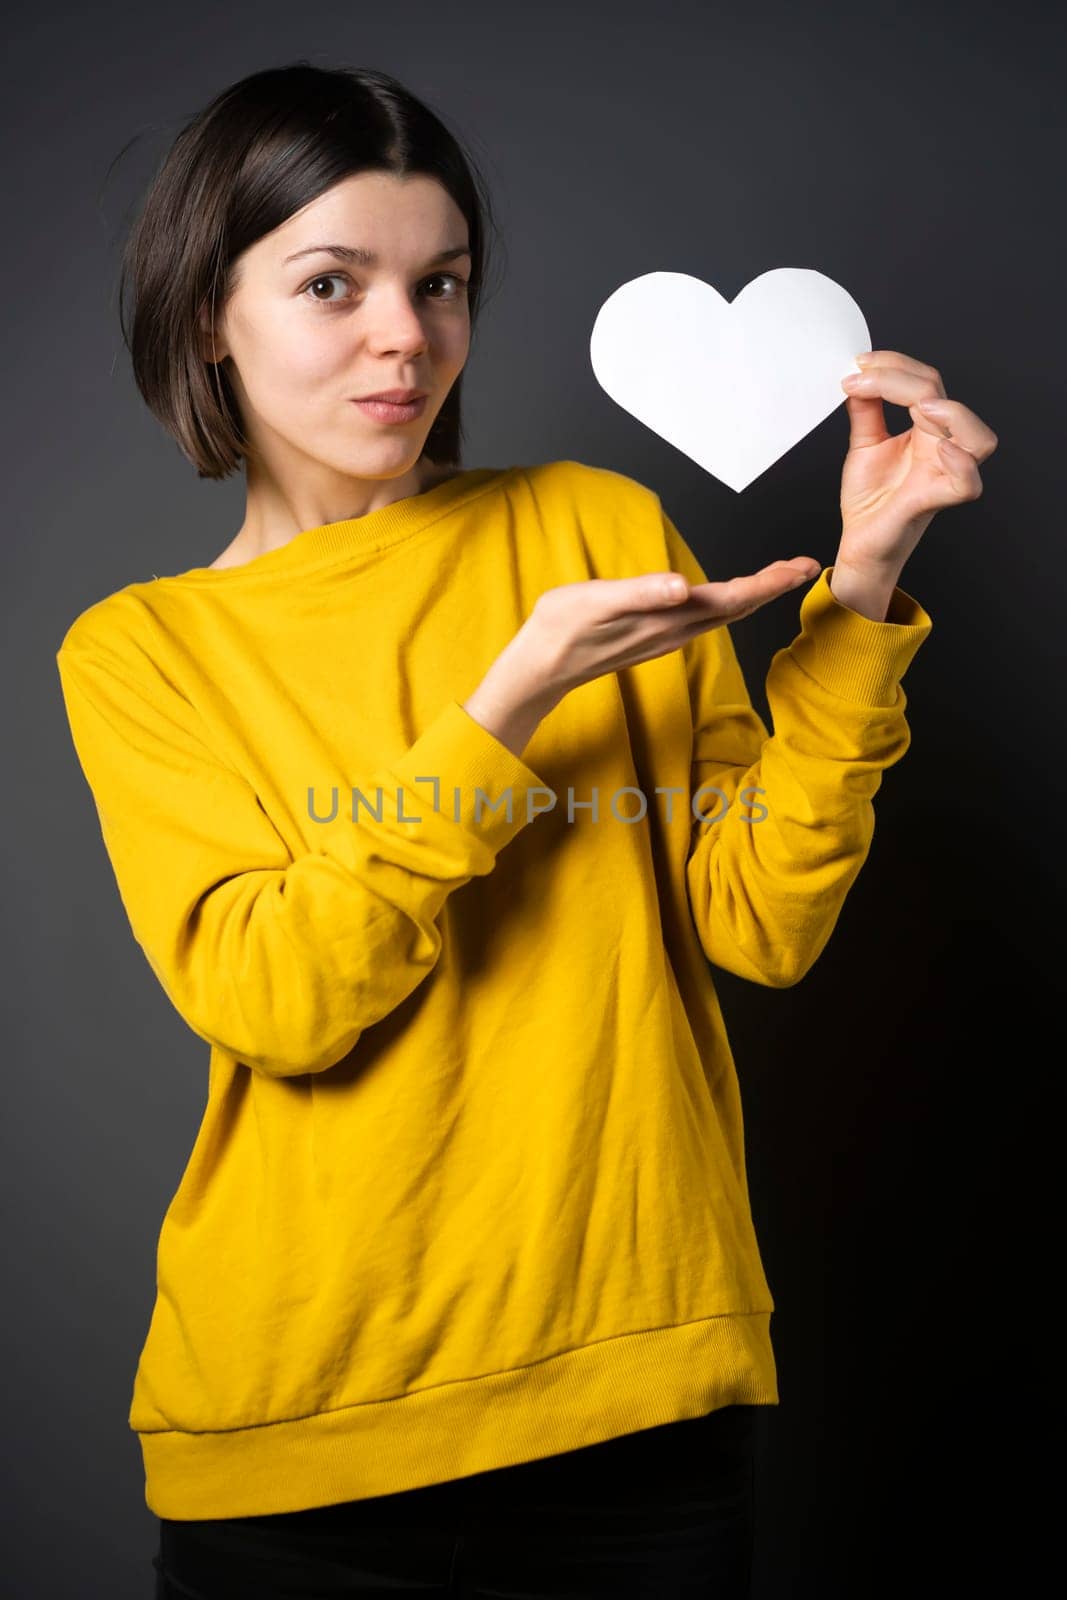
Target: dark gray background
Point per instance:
(915, 154)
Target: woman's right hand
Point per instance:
(580, 631)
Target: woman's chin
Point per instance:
(392, 459)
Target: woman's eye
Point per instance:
(460, 286)
(460, 283)
(329, 277)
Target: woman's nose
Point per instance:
(393, 322)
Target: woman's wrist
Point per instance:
(868, 592)
(508, 704)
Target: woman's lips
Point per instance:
(386, 411)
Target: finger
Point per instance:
(659, 591)
(649, 591)
(908, 381)
(896, 358)
(733, 596)
(866, 419)
(959, 422)
(962, 470)
(904, 388)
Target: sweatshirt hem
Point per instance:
(582, 1397)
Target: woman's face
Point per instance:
(307, 331)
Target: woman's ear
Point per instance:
(213, 351)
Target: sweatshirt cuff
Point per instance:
(852, 655)
(474, 773)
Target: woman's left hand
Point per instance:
(893, 484)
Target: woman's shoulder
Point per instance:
(612, 497)
(113, 626)
(584, 476)
(608, 509)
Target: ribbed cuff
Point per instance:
(852, 655)
(474, 773)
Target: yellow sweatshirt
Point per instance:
(469, 1187)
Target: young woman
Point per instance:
(430, 800)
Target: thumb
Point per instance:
(647, 592)
(866, 416)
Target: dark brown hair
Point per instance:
(261, 150)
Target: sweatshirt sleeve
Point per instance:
(768, 878)
(281, 963)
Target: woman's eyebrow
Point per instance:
(357, 256)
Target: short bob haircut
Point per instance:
(261, 150)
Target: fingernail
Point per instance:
(933, 407)
(856, 377)
(864, 355)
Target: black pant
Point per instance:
(666, 1512)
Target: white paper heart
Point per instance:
(732, 384)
